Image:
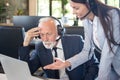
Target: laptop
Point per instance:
(16, 69)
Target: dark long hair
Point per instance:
(106, 21)
(102, 11)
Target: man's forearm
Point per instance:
(24, 53)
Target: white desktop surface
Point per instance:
(3, 77)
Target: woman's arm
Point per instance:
(78, 59)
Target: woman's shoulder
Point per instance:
(113, 12)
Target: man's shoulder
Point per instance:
(114, 12)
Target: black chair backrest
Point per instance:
(11, 37)
(75, 30)
(27, 22)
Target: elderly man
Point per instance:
(66, 46)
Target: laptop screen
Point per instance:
(16, 69)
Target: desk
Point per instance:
(5, 24)
(3, 77)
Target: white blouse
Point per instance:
(98, 34)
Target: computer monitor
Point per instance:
(11, 37)
(27, 22)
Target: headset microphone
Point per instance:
(85, 15)
(58, 38)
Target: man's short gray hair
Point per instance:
(45, 19)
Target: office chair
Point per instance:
(27, 22)
(11, 38)
(75, 30)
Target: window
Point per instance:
(115, 3)
(54, 8)
(43, 8)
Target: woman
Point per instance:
(102, 31)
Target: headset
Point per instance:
(92, 6)
(85, 15)
(60, 28)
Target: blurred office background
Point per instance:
(57, 8)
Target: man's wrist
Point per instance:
(26, 43)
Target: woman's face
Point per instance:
(79, 9)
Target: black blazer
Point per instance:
(72, 44)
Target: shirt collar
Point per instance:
(59, 44)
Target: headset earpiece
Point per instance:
(60, 27)
(60, 30)
(92, 5)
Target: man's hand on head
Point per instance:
(30, 34)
